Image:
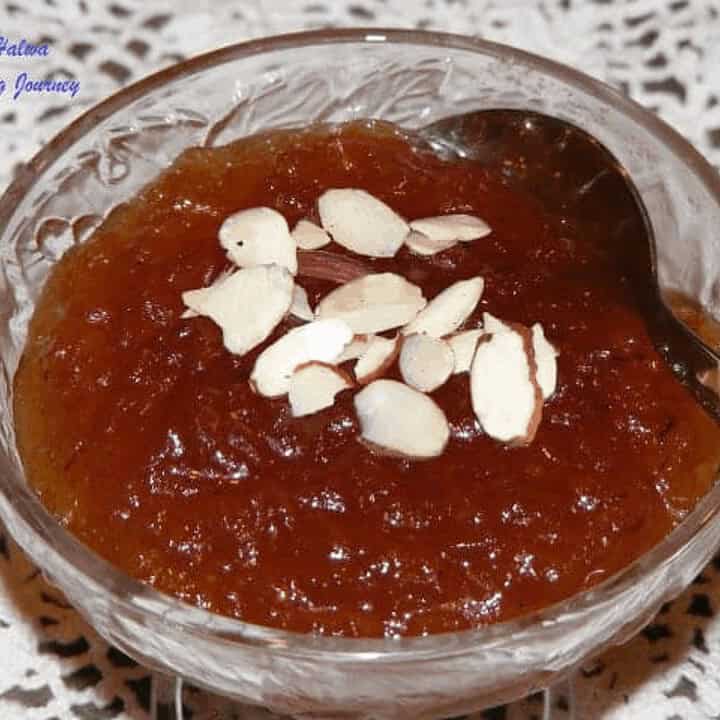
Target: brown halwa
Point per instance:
(140, 432)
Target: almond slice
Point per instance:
(362, 223)
(397, 420)
(425, 362)
(223, 275)
(546, 360)
(313, 387)
(300, 307)
(309, 236)
(259, 236)
(355, 348)
(320, 340)
(544, 352)
(423, 245)
(232, 303)
(373, 303)
(325, 265)
(448, 310)
(491, 324)
(505, 395)
(463, 345)
(379, 355)
(453, 228)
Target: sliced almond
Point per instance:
(325, 265)
(309, 236)
(259, 236)
(425, 362)
(491, 324)
(451, 228)
(355, 348)
(463, 345)
(360, 222)
(506, 397)
(398, 420)
(448, 310)
(544, 352)
(546, 361)
(373, 303)
(377, 358)
(423, 245)
(300, 306)
(320, 340)
(232, 303)
(313, 387)
(223, 275)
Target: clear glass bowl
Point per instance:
(411, 78)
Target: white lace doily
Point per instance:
(663, 53)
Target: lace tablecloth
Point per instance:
(664, 53)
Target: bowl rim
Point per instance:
(137, 596)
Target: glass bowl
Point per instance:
(411, 78)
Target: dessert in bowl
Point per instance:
(156, 435)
